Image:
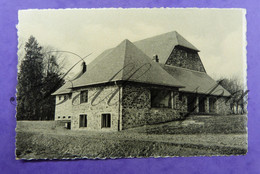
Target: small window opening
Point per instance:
(84, 96)
(106, 121)
(83, 120)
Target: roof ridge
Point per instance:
(124, 61)
(129, 47)
(173, 46)
(180, 37)
(174, 31)
(110, 51)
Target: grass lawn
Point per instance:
(196, 136)
(232, 124)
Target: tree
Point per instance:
(39, 75)
(238, 100)
(30, 78)
(51, 81)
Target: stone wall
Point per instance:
(181, 103)
(100, 101)
(220, 107)
(137, 111)
(133, 110)
(63, 109)
(185, 58)
(223, 106)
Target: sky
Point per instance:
(219, 34)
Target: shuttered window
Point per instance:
(84, 96)
(106, 120)
(83, 121)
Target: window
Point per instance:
(65, 97)
(106, 120)
(60, 97)
(58, 116)
(161, 98)
(64, 116)
(83, 96)
(83, 121)
(69, 116)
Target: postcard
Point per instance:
(127, 83)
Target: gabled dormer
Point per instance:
(185, 58)
(172, 49)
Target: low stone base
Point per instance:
(63, 123)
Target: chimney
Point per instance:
(155, 58)
(84, 67)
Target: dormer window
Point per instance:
(84, 96)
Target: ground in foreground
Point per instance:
(195, 136)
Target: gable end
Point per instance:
(185, 58)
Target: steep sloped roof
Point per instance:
(195, 81)
(65, 89)
(163, 44)
(123, 63)
(128, 62)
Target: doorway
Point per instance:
(191, 103)
(202, 102)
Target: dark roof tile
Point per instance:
(163, 44)
(195, 81)
(123, 63)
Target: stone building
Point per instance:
(155, 80)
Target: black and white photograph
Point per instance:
(131, 83)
